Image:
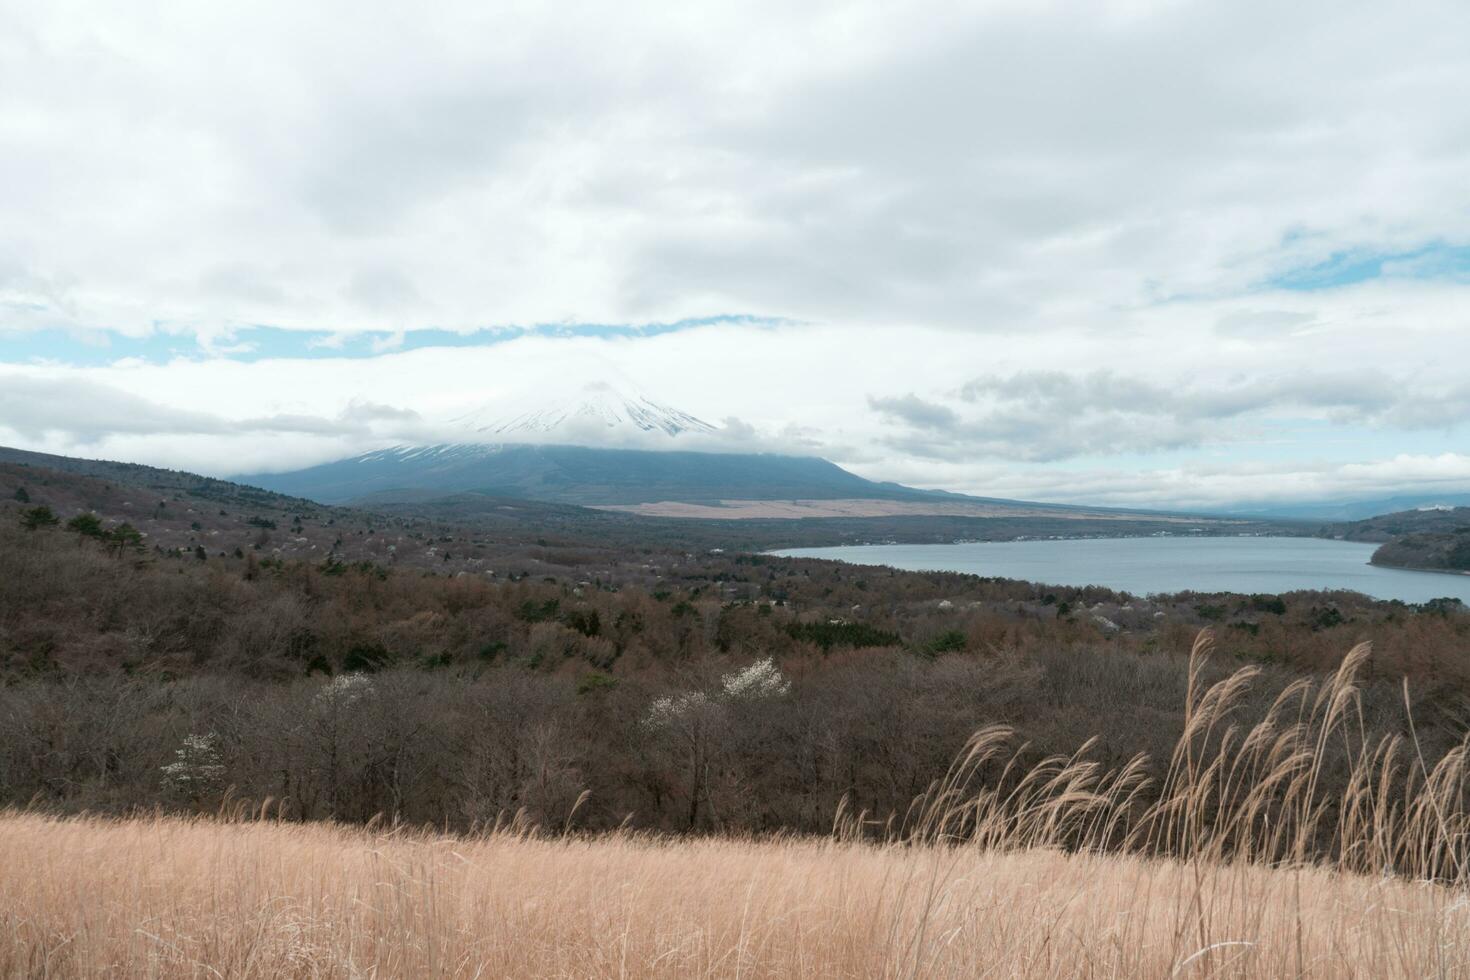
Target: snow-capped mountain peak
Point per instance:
(598, 412)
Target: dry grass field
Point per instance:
(198, 898)
(1239, 864)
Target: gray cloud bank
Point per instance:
(1044, 416)
(370, 167)
(87, 412)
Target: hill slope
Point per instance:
(167, 483)
(1434, 539)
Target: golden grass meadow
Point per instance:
(1241, 863)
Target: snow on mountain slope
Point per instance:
(598, 413)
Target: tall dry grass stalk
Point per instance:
(1296, 847)
(1305, 785)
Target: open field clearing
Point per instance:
(176, 898)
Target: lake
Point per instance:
(1144, 566)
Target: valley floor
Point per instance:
(173, 897)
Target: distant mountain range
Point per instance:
(1352, 510)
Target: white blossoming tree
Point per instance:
(761, 680)
(196, 772)
(331, 724)
(344, 690)
(694, 722)
(667, 711)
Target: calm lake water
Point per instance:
(1144, 566)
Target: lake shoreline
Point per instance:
(1166, 565)
(1418, 568)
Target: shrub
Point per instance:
(38, 517)
(539, 612)
(950, 641)
(87, 525)
(595, 682)
(1326, 617)
(838, 633)
(366, 658)
(586, 623)
(122, 537)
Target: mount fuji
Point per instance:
(608, 446)
(595, 444)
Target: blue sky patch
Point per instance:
(259, 343)
(1436, 261)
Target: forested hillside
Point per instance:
(693, 691)
(1435, 539)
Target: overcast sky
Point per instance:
(1137, 253)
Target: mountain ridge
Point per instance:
(1352, 510)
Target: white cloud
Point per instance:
(1206, 488)
(1093, 193)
